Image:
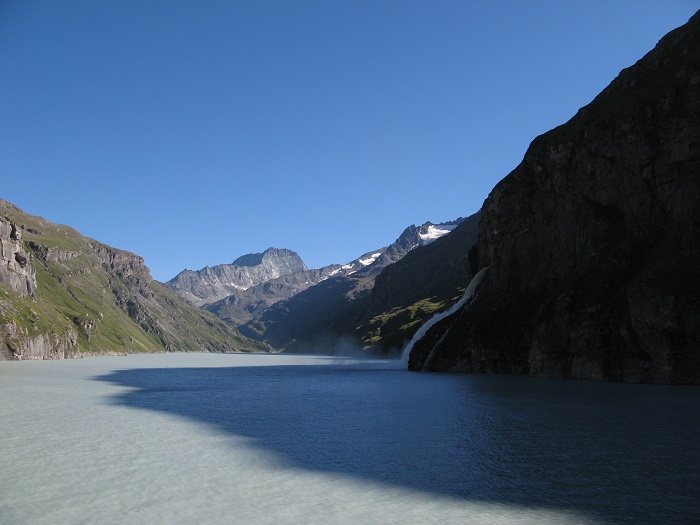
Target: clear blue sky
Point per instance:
(193, 132)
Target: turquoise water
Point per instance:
(203, 438)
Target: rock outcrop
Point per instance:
(16, 265)
(593, 241)
(20, 344)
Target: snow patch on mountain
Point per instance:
(369, 260)
(433, 232)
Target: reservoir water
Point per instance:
(273, 439)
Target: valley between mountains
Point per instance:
(592, 246)
(372, 304)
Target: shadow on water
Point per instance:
(619, 453)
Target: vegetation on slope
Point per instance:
(101, 299)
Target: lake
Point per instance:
(275, 439)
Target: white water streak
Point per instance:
(468, 293)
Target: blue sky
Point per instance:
(193, 132)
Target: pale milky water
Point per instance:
(203, 438)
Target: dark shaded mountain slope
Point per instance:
(410, 291)
(593, 241)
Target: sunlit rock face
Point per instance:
(211, 284)
(593, 241)
(17, 269)
(64, 295)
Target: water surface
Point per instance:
(203, 438)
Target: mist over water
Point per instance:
(202, 438)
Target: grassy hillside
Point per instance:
(95, 298)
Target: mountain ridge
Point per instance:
(241, 306)
(333, 313)
(212, 283)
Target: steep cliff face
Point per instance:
(593, 241)
(16, 265)
(214, 283)
(62, 295)
(48, 345)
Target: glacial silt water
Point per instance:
(202, 438)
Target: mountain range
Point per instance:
(279, 274)
(350, 312)
(211, 284)
(589, 252)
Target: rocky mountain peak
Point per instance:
(211, 284)
(270, 256)
(415, 236)
(251, 259)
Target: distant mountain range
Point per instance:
(250, 287)
(211, 284)
(345, 313)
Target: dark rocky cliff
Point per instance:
(593, 241)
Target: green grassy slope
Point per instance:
(105, 296)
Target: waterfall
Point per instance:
(429, 359)
(468, 293)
